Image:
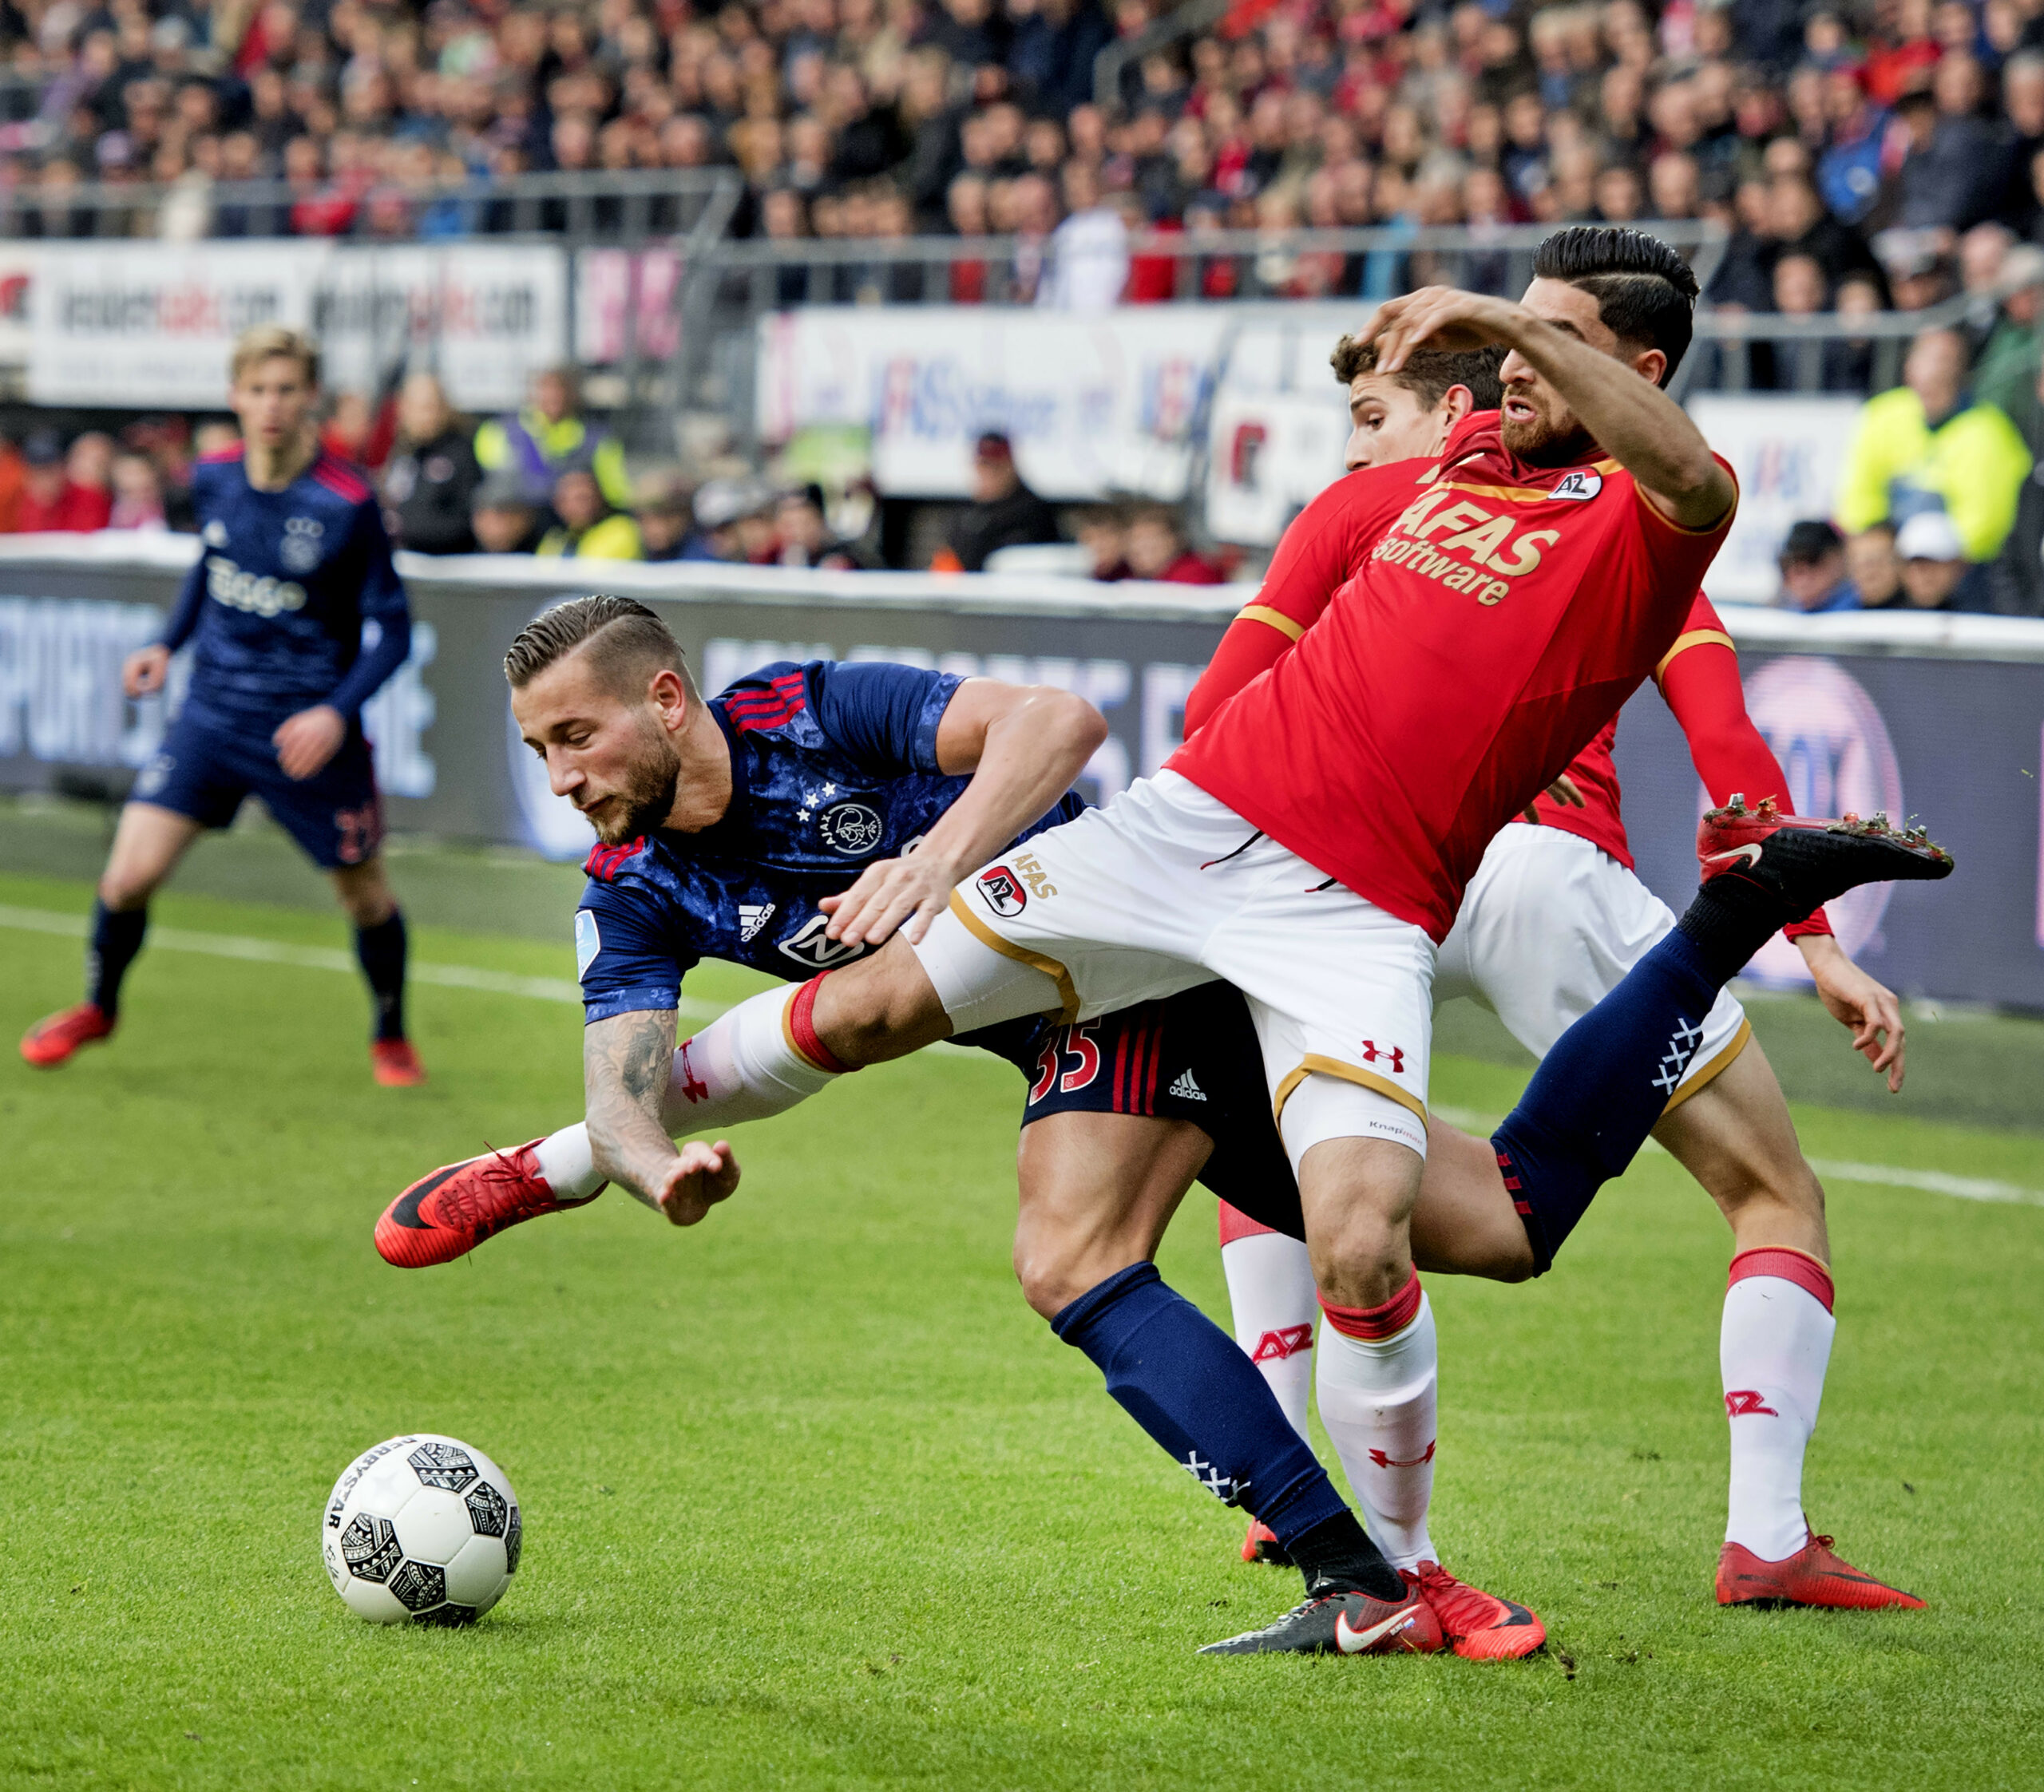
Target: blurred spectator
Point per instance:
(719, 508)
(804, 532)
(1927, 446)
(2004, 372)
(1870, 563)
(13, 473)
(51, 500)
(506, 516)
(137, 495)
(1003, 513)
(1813, 576)
(2015, 580)
(1103, 532)
(1088, 258)
(666, 525)
(589, 528)
(429, 482)
(551, 436)
(1157, 549)
(1952, 174)
(1935, 573)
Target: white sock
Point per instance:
(743, 1066)
(1378, 1401)
(1270, 1293)
(1773, 1350)
(567, 1163)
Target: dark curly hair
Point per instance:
(1427, 372)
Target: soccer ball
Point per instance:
(424, 1529)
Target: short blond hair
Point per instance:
(271, 342)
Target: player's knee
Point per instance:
(122, 888)
(1045, 1274)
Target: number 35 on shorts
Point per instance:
(1075, 1043)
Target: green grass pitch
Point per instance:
(812, 1500)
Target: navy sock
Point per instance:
(382, 950)
(1187, 1383)
(116, 937)
(1598, 1094)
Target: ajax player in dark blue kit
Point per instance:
(296, 616)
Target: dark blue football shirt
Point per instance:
(278, 599)
(833, 765)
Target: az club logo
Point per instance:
(1580, 485)
(1275, 1347)
(809, 947)
(851, 828)
(1000, 893)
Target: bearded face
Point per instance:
(645, 798)
(1538, 428)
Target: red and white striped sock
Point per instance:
(1377, 1389)
(1773, 1350)
(1270, 1292)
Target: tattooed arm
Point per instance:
(625, 1065)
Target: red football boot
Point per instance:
(1261, 1546)
(54, 1037)
(1479, 1626)
(1813, 1576)
(394, 1064)
(1805, 861)
(448, 1214)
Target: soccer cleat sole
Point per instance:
(1805, 862)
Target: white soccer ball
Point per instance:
(422, 1528)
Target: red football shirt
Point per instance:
(1501, 615)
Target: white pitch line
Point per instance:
(247, 947)
(1929, 1181)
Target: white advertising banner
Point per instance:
(148, 324)
(1269, 457)
(1787, 452)
(1107, 401)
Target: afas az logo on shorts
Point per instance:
(1001, 891)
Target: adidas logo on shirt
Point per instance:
(1187, 1090)
(752, 917)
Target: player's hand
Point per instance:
(1443, 319)
(889, 893)
(1862, 1002)
(143, 671)
(696, 1181)
(306, 740)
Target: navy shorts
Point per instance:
(1193, 1056)
(204, 772)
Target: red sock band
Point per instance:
(801, 1028)
(1386, 1321)
(1798, 1266)
(1235, 1224)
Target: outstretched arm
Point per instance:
(626, 1063)
(1634, 421)
(1022, 745)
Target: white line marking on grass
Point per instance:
(247, 947)
(1930, 1181)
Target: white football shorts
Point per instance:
(1549, 927)
(1166, 888)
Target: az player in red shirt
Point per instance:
(1550, 922)
(1310, 846)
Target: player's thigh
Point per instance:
(1551, 926)
(1464, 1223)
(1097, 1190)
(1102, 913)
(148, 843)
(1735, 1136)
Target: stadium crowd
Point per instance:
(1849, 148)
